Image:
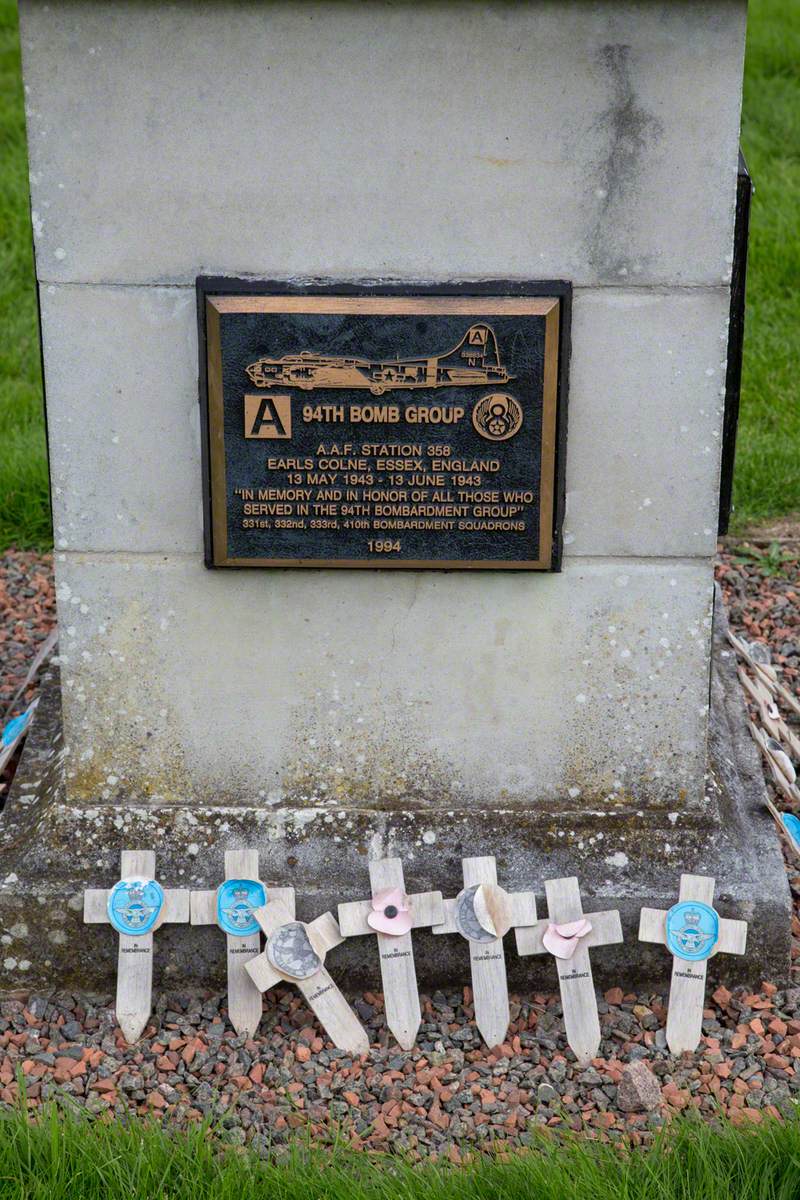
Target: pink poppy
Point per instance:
(390, 912)
(562, 940)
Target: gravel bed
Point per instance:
(765, 607)
(447, 1097)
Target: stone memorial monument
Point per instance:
(385, 353)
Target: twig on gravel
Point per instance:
(781, 782)
(764, 691)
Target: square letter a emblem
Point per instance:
(267, 416)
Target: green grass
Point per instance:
(767, 481)
(24, 504)
(71, 1158)
(767, 478)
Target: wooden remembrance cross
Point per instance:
(694, 932)
(483, 914)
(569, 934)
(295, 953)
(230, 907)
(391, 915)
(136, 907)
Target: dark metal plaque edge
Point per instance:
(561, 289)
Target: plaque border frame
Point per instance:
(556, 386)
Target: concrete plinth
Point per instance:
(51, 850)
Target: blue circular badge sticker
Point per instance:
(692, 930)
(134, 905)
(792, 826)
(236, 899)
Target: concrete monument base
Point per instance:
(559, 720)
(624, 857)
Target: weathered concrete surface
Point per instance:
(49, 851)
(123, 419)
(647, 389)
(376, 690)
(596, 142)
(647, 372)
(277, 139)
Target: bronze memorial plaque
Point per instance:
(382, 430)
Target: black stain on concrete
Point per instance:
(627, 130)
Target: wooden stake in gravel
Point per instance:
(391, 915)
(295, 953)
(42, 655)
(136, 907)
(569, 934)
(483, 914)
(693, 932)
(759, 657)
(230, 906)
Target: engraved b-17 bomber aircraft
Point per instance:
(475, 360)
